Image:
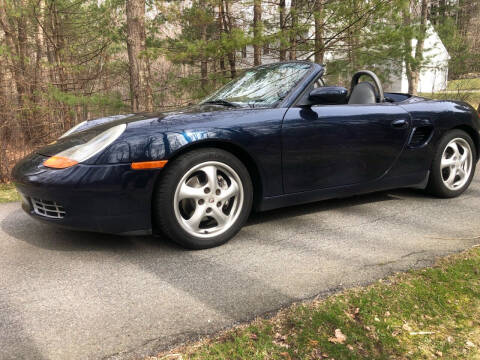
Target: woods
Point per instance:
(66, 61)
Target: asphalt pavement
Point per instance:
(73, 295)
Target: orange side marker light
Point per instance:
(149, 165)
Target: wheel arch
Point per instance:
(473, 134)
(235, 150)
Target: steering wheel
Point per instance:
(375, 79)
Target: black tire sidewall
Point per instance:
(436, 185)
(163, 199)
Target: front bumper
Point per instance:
(102, 198)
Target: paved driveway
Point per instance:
(68, 295)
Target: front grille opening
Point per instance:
(48, 209)
(420, 136)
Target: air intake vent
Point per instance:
(420, 136)
(49, 209)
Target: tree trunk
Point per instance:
(407, 56)
(413, 63)
(221, 30)
(38, 80)
(228, 23)
(319, 42)
(283, 50)
(413, 86)
(203, 61)
(257, 32)
(22, 40)
(15, 41)
(13, 55)
(135, 10)
(293, 34)
(233, 65)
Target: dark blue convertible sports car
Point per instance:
(274, 137)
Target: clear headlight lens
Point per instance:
(79, 153)
(72, 130)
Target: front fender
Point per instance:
(256, 132)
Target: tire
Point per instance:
(441, 173)
(194, 208)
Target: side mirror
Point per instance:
(328, 95)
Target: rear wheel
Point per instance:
(203, 199)
(453, 166)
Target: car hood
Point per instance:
(179, 117)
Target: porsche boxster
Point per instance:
(276, 136)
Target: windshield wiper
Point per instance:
(221, 102)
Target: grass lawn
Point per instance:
(8, 193)
(422, 314)
(465, 90)
(473, 98)
(464, 84)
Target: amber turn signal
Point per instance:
(149, 165)
(59, 162)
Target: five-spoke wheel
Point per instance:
(208, 199)
(203, 198)
(453, 166)
(456, 163)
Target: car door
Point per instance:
(340, 145)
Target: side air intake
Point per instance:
(421, 135)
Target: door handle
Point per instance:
(400, 124)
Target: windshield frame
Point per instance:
(296, 90)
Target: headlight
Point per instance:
(72, 130)
(79, 153)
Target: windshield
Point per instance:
(260, 87)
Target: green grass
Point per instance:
(424, 314)
(473, 98)
(467, 90)
(8, 193)
(464, 84)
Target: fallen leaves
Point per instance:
(313, 343)
(339, 337)
(352, 313)
(317, 354)
(171, 357)
(280, 340)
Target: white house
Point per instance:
(434, 75)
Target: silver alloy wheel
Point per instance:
(208, 199)
(456, 164)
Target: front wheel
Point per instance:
(453, 166)
(203, 199)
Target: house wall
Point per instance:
(434, 75)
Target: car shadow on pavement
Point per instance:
(332, 204)
(58, 239)
(19, 226)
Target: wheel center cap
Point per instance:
(211, 200)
